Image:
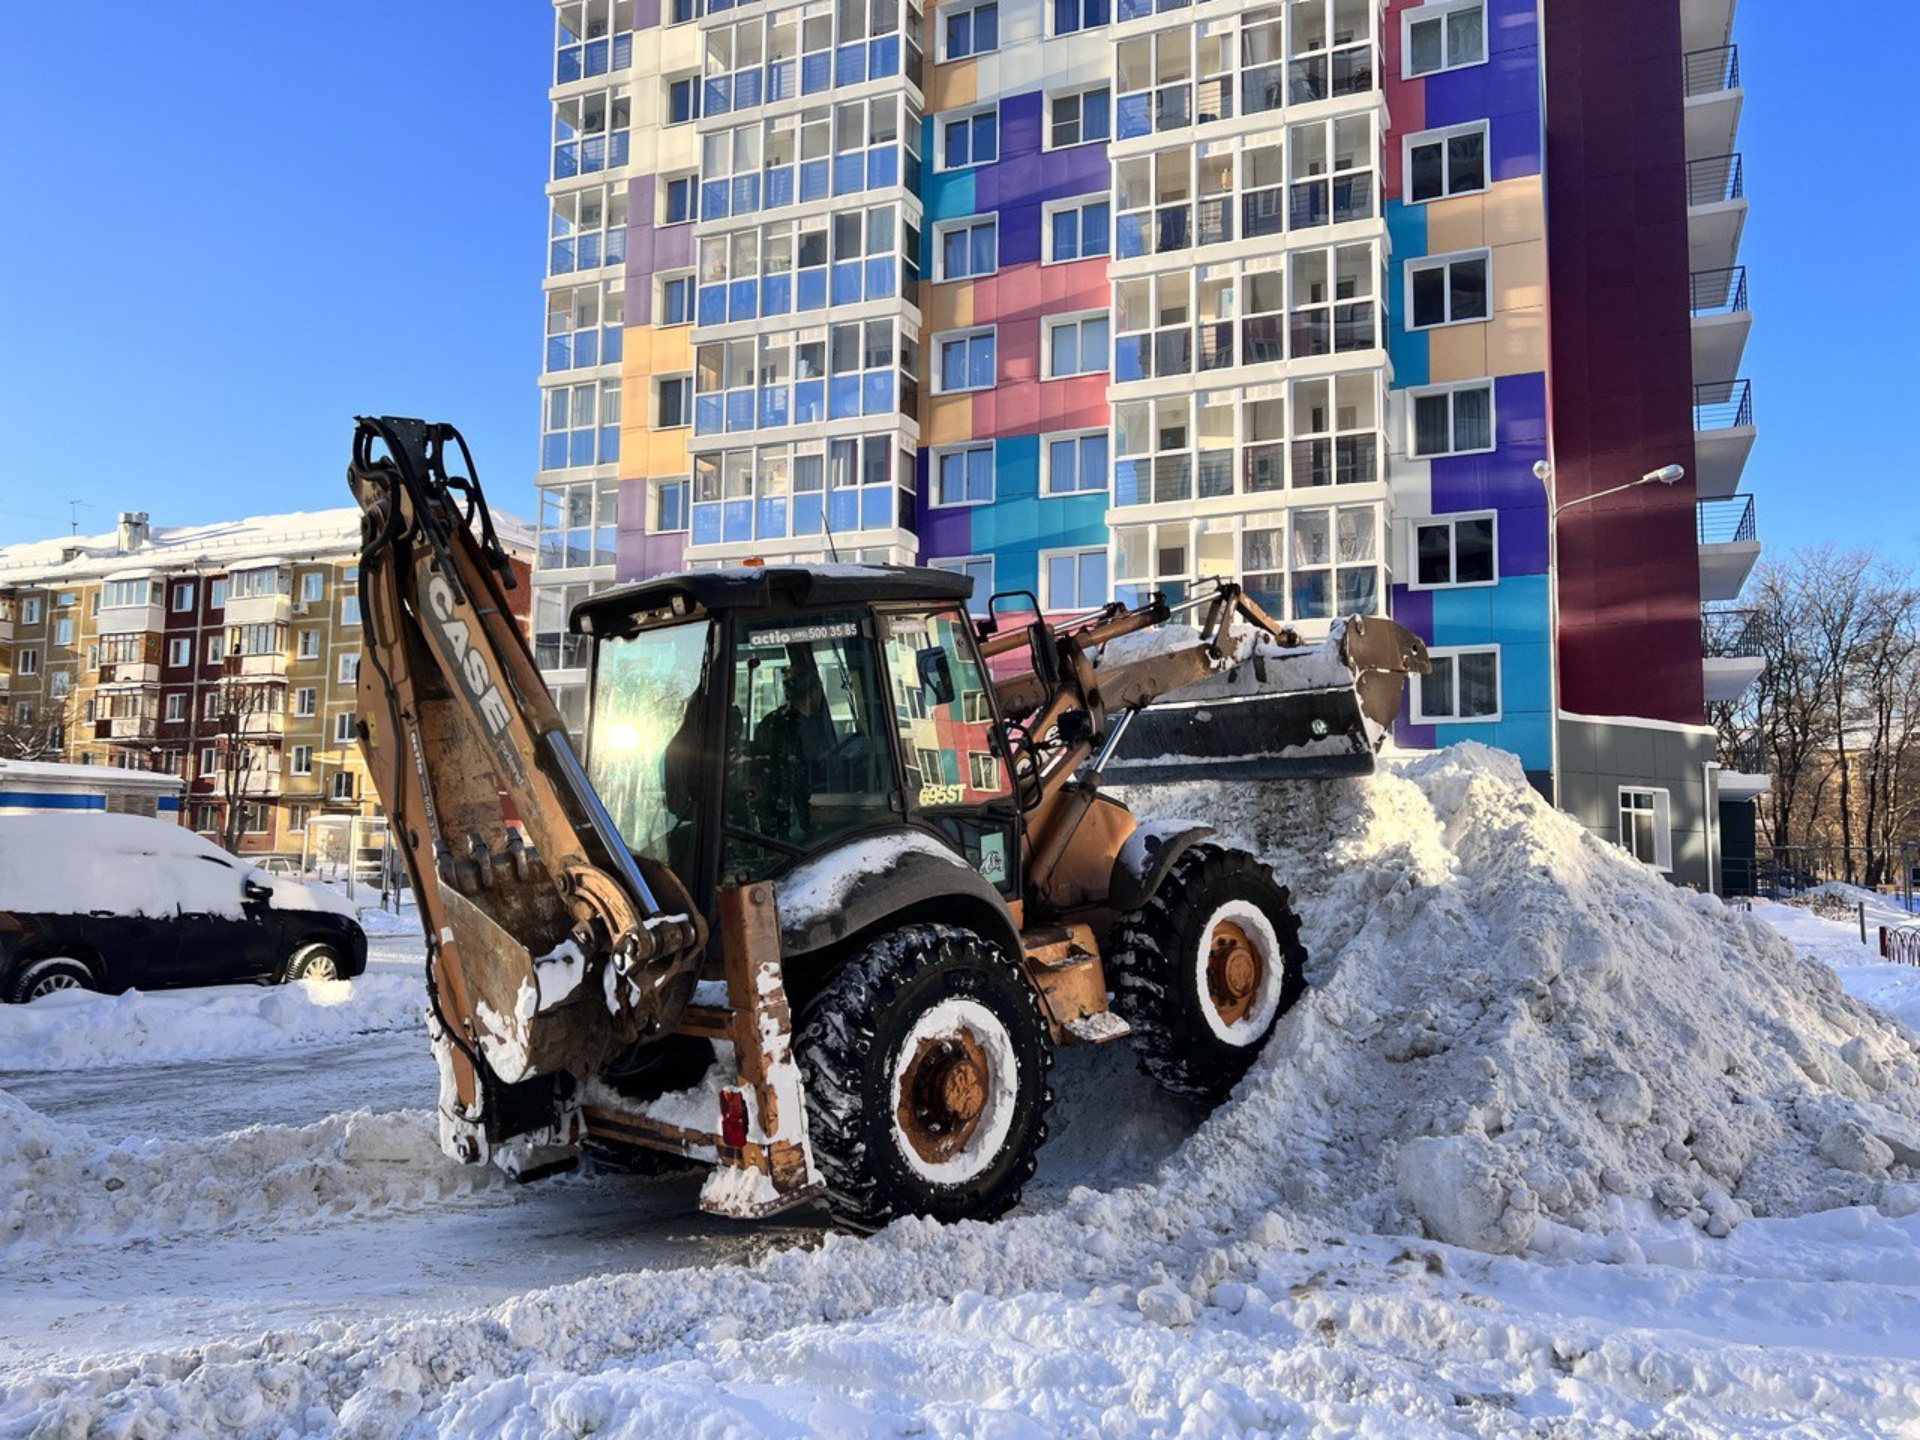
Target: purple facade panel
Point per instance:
(1503, 480)
(637, 305)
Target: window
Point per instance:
(176, 707)
(963, 476)
(1646, 826)
(1455, 551)
(210, 705)
(1447, 289)
(350, 668)
(1325, 563)
(1073, 580)
(1079, 118)
(1072, 16)
(309, 645)
(669, 506)
(182, 597)
(1444, 37)
(1464, 685)
(59, 682)
(683, 100)
(964, 249)
(350, 608)
(1076, 464)
(343, 728)
(124, 594)
(970, 139)
(1446, 162)
(983, 770)
(65, 599)
(313, 586)
(966, 360)
(938, 690)
(179, 652)
(27, 662)
(303, 700)
(210, 760)
(1077, 229)
(63, 630)
(673, 402)
(1456, 420)
(341, 786)
(678, 200)
(300, 760)
(213, 650)
(1078, 346)
(676, 300)
(296, 819)
(972, 30)
(30, 610)
(980, 568)
(216, 593)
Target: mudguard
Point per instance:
(859, 885)
(1143, 862)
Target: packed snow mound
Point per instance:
(81, 1030)
(61, 1183)
(1516, 1032)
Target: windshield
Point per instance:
(649, 704)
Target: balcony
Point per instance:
(125, 728)
(1705, 24)
(1730, 646)
(1729, 546)
(1713, 103)
(1716, 212)
(125, 673)
(1721, 322)
(1722, 436)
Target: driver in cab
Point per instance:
(791, 748)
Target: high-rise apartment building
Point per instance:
(1380, 308)
(227, 654)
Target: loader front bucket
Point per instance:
(1310, 712)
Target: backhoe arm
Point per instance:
(544, 958)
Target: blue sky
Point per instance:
(231, 227)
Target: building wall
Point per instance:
(1599, 758)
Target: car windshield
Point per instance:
(649, 704)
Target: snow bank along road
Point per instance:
(1551, 1148)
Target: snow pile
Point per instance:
(63, 1183)
(1518, 1033)
(80, 1030)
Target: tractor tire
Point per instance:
(1205, 969)
(925, 1060)
(40, 978)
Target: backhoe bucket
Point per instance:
(1310, 712)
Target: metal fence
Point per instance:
(1713, 72)
(1728, 521)
(1722, 405)
(1781, 872)
(1718, 292)
(1715, 180)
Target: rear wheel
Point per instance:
(1204, 970)
(41, 978)
(313, 962)
(926, 1070)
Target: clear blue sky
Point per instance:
(230, 227)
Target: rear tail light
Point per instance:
(733, 1118)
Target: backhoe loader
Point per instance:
(839, 869)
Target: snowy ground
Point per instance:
(166, 1272)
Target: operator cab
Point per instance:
(744, 720)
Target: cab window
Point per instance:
(942, 711)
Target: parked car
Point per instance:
(114, 902)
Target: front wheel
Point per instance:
(313, 962)
(49, 977)
(1206, 968)
(926, 1071)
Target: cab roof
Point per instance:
(759, 587)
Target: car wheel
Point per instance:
(48, 977)
(313, 962)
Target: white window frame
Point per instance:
(305, 701)
(957, 564)
(948, 337)
(349, 671)
(176, 706)
(1447, 652)
(27, 662)
(1056, 437)
(677, 277)
(1075, 203)
(182, 591)
(307, 645)
(1452, 522)
(1451, 388)
(1067, 93)
(343, 728)
(944, 228)
(1662, 813)
(685, 377)
(1048, 603)
(63, 631)
(342, 786)
(179, 652)
(313, 586)
(209, 760)
(1440, 137)
(1423, 263)
(30, 609)
(934, 502)
(214, 651)
(947, 12)
(968, 113)
(1051, 323)
(300, 760)
(1442, 11)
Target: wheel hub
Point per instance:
(1235, 971)
(943, 1094)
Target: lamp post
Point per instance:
(1543, 472)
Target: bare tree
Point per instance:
(246, 754)
(43, 736)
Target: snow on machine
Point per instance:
(839, 870)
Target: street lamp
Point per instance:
(1543, 472)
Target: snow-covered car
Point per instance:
(111, 902)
